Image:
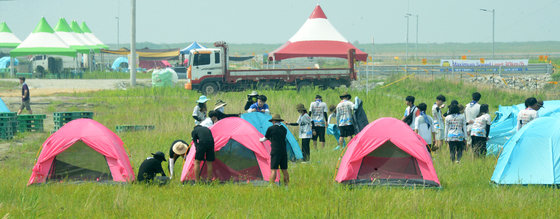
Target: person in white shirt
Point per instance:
(344, 115)
(424, 126)
(210, 120)
(455, 130)
(411, 112)
(439, 127)
(199, 112)
(480, 130)
(529, 113)
(318, 112)
(305, 130)
(471, 112)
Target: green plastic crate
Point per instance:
(128, 128)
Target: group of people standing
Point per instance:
(461, 127)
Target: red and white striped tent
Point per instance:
(316, 38)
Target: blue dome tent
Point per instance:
(532, 155)
(260, 121)
(120, 64)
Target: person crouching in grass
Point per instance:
(278, 153)
(305, 130)
(204, 143)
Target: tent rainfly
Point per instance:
(92, 37)
(43, 40)
(64, 31)
(7, 38)
(316, 38)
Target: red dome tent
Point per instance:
(240, 156)
(387, 152)
(316, 38)
(82, 150)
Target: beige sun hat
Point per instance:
(180, 148)
(220, 103)
(276, 117)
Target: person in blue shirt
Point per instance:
(260, 105)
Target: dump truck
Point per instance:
(208, 73)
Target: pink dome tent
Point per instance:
(240, 156)
(82, 150)
(387, 152)
(316, 38)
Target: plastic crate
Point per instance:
(73, 114)
(129, 128)
(31, 117)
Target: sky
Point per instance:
(275, 21)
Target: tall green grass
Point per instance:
(466, 193)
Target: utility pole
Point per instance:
(416, 55)
(118, 32)
(493, 11)
(133, 44)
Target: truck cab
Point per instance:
(206, 69)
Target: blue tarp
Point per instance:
(532, 155)
(5, 62)
(260, 121)
(3, 107)
(193, 45)
(117, 64)
(504, 124)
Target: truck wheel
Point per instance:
(210, 88)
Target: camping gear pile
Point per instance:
(164, 78)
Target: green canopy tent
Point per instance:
(44, 41)
(92, 37)
(7, 38)
(76, 28)
(64, 31)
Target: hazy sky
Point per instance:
(275, 21)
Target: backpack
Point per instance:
(410, 117)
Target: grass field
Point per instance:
(466, 188)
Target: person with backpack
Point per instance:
(439, 127)
(480, 130)
(424, 126)
(318, 112)
(305, 130)
(455, 130)
(411, 112)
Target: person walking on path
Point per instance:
(471, 112)
(344, 112)
(439, 127)
(25, 100)
(278, 153)
(424, 127)
(199, 112)
(179, 148)
(203, 141)
(411, 112)
(529, 113)
(480, 130)
(151, 167)
(318, 112)
(305, 130)
(455, 130)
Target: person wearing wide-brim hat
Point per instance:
(305, 130)
(344, 118)
(199, 112)
(179, 148)
(151, 167)
(251, 99)
(219, 106)
(276, 134)
(219, 111)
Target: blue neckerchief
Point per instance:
(473, 102)
(426, 119)
(318, 101)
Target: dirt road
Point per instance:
(45, 87)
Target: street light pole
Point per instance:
(416, 55)
(406, 57)
(118, 32)
(493, 11)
